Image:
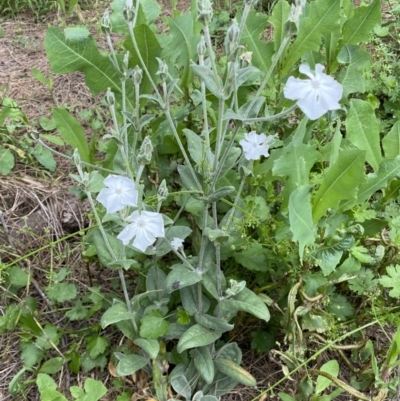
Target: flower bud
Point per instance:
(106, 22)
(129, 11)
(205, 11)
(202, 47)
(236, 287)
(110, 98)
(162, 69)
(245, 59)
(145, 152)
(162, 192)
(76, 158)
(137, 75)
(232, 38)
(125, 63)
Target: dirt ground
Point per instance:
(42, 202)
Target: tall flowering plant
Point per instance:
(202, 149)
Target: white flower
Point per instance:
(145, 227)
(256, 145)
(121, 192)
(176, 243)
(315, 96)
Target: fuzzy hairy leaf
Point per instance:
(378, 180)
(153, 325)
(340, 182)
(358, 28)
(67, 56)
(278, 20)
(251, 38)
(197, 336)
(182, 46)
(300, 217)
(320, 17)
(391, 142)
(72, 132)
(363, 131)
(149, 49)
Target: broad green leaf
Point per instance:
(181, 277)
(76, 33)
(251, 38)
(17, 276)
(204, 364)
(320, 17)
(182, 46)
(207, 76)
(363, 131)
(94, 390)
(151, 346)
(53, 365)
(358, 28)
(72, 132)
(115, 314)
(31, 355)
(61, 292)
(340, 182)
(105, 257)
(130, 364)
(6, 161)
(182, 387)
(296, 163)
(149, 49)
(235, 371)
(96, 345)
(212, 322)
(378, 180)
(328, 258)
(155, 281)
(331, 367)
(354, 55)
(300, 218)
(246, 301)
(153, 325)
(44, 381)
(286, 397)
(253, 257)
(351, 80)
(196, 147)
(69, 56)
(340, 307)
(391, 142)
(44, 157)
(392, 280)
(364, 282)
(197, 336)
(49, 337)
(278, 19)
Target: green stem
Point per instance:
(181, 147)
(111, 251)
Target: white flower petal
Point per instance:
(121, 192)
(305, 69)
(143, 239)
(144, 229)
(176, 243)
(256, 145)
(315, 96)
(127, 233)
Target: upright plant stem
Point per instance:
(111, 251)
